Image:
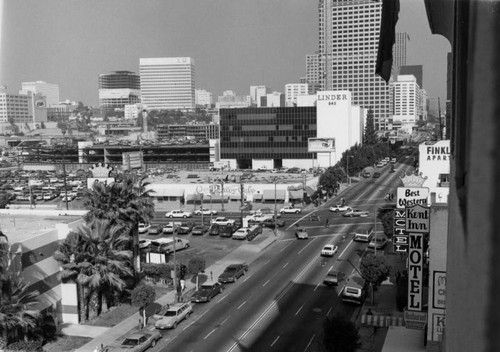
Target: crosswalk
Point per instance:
(381, 320)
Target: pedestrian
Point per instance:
(369, 312)
(326, 222)
(140, 324)
(398, 276)
(211, 276)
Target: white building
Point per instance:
(293, 90)
(434, 163)
(17, 108)
(132, 111)
(167, 83)
(203, 97)
(111, 99)
(407, 102)
(229, 100)
(275, 99)
(256, 93)
(49, 90)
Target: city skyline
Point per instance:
(233, 45)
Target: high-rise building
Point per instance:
(348, 45)
(167, 83)
(49, 90)
(407, 102)
(314, 73)
(399, 50)
(117, 89)
(256, 93)
(293, 90)
(415, 70)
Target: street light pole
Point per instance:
(174, 275)
(275, 208)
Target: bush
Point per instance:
(157, 271)
(26, 346)
(402, 293)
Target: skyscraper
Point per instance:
(167, 83)
(117, 89)
(348, 44)
(399, 50)
(49, 90)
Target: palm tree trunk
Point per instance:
(93, 304)
(136, 262)
(82, 303)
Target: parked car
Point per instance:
(339, 208)
(240, 234)
(205, 211)
(143, 228)
(329, 250)
(376, 174)
(169, 228)
(178, 214)
(174, 315)
(355, 213)
(265, 211)
(301, 234)
(290, 210)
(144, 243)
(154, 230)
(332, 278)
(270, 223)
(233, 272)
(199, 230)
(222, 221)
(207, 291)
(184, 229)
(366, 174)
(259, 218)
(213, 230)
(140, 341)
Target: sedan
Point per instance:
(290, 210)
(154, 230)
(355, 213)
(178, 214)
(199, 230)
(339, 208)
(205, 211)
(301, 234)
(329, 250)
(270, 223)
(376, 175)
(144, 243)
(233, 272)
(138, 342)
(207, 291)
(222, 221)
(184, 229)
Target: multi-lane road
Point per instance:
(281, 303)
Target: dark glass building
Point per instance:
(119, 80)
(266, 133)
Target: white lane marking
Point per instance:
(272, 305)
(331, 268)
(224, 297)
(282, 249)
(241, 305)
(302, 306)
(329, 310)
(276, 340)
(266, 262)
(284, 266)
(309, 344)
(210, 333)
(222, 323)
(247, 277)
(316, 287)
(307, 245)
(341, 254)
(265, 283)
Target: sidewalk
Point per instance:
(107, 336)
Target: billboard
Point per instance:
(321, 145)
(132, 160)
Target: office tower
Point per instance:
(256, 94)
(407, 102)
(314, 73)
(167, 83)
(293, 90)
(399, 50)
(17, 108)
(416, 70)
(49, 90)
(117, 89)
(347, 55)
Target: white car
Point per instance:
(339, 208)
(178, 214)
(222, 221)
(205, 211)
(241, 234)
(143, 228)
(144, 243)
(329, 250)
(259, 217)
(290, 210)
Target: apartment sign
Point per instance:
(415, 271)
(400, 237)
(439, 290)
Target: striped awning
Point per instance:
(296, 194)
(269, 194)
(175, 192)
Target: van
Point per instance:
(379, 241)
(354, 290)
(363, 237)
(169, 245)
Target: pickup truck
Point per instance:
(363, 237)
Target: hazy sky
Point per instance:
(234, 43)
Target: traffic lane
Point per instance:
(243, 303)
(300, 327)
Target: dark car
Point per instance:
(185, 229)
(233, 272)
(227, 230)
(199, 230)
(366, 174)
(207, 291)
(140, 341)
(376, 175)
(270, 223)
(154, 230)
(214, 230)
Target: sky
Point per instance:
(234, 43)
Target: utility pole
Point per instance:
(64, 178)
(440, 123)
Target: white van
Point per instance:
(379, 241)
(168, 245)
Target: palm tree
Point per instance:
(127, 202)
(17, 315)
(93, 257)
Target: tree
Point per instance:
(127, 202)
(142, 296)
(387, 218)
(370, 135)
(196, 265)
(331, 178)
(374, 271)
(93, 257)
(340, 335)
